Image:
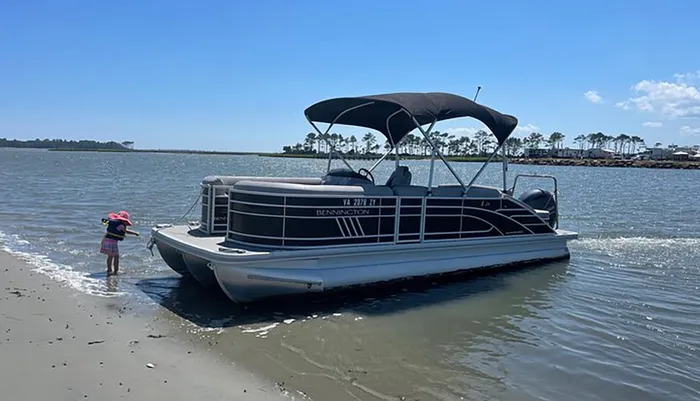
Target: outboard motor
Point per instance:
(542, 200)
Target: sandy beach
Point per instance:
(57, 344)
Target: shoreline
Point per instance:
(166, 151)
(656, 164)
(60, 344)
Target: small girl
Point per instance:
(116, 231)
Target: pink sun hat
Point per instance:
(121, 216)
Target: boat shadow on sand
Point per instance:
(212, 309)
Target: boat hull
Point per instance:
(173, 258)
(199, 269)
(186, 264)
(248, 276)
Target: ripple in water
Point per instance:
(618, 321)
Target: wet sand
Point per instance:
(61, 345)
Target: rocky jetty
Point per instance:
(686, 165)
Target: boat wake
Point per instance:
(64, 274)
(631, 244)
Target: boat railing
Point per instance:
(511, 191)
(214, 219)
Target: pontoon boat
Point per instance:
(261, 237)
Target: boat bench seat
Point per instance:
(313, 190)
(410, 190)
(448, 191)
(231, 180)
(475, 191)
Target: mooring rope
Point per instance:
(152, 242)
(191, 207)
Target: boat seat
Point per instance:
(475, 191)
(448, 192)
(400, 176)
(283, 188)
(231, 180)
(410, 190)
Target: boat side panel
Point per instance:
(283, 221)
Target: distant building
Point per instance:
(535, 153)
(680, 156)
(600, 153)
(660, 153)
(568, 153)
(669, 153)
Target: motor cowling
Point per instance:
(542, 200)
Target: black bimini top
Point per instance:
(391, 113)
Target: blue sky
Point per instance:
(235, 75)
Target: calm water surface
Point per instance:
(618, 321)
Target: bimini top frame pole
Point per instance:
(323, 135)
(426, 134)
(395, 115)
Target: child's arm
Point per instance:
(122, 227)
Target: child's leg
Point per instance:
(109, 264)
(116, 264)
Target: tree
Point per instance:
(310, 140)
(637, 141)
(353, 142)
(555, 139)
(61, 144)
(534, 140)
(480, 143)
(513, 145)
(369, 141)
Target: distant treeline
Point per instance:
(63, 144)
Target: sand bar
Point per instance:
(57, 344)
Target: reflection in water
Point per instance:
(427, 339)
(112, 284)
(206, 308)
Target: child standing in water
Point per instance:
(117, 224)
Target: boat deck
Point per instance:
(192, 237)
(201, 244)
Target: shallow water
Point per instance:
(617, 321)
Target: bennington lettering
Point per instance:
(342, 212)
